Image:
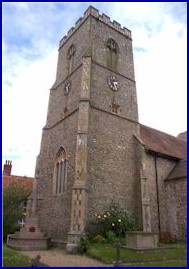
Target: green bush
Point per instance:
(111, 237)
(83, 244)
(99, 239)
(94, 228)
(14, 196)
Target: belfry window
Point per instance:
(112, 53)
(60, 172)
(70, 58)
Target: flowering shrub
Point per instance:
(113, 223)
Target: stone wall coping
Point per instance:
(139, 232)
(91, 11)
(32, 237)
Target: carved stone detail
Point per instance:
(67, 87)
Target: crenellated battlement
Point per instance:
(104, 18)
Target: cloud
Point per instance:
(163, 80)
(25, 103)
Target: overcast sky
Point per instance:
(31, 34)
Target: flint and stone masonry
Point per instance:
(94, 121)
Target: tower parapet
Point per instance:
(91, 11)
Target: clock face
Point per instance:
(67, 87)
(113, 83)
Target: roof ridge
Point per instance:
(163, 132)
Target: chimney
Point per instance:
(7, 168)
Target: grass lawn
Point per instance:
(160, 264)
(13, 258)
(166, 257)
(107, 253)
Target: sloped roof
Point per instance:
(179, 171)
(26, 181)
(183, 136)
(162, 143)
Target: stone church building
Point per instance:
(94, 150)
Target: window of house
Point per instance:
(112, 53)
(70, 57)
(60, 172)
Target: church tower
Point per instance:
(87, 155)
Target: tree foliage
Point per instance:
(14, 197)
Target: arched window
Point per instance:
(60, 172)
(112, 53)
(70, 57)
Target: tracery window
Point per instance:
(112, 53)
(70, 58)
(60, 172)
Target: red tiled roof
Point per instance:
(183, 136)
(179, 171)
(162, 143)
(26, 181)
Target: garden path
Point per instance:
(59, 258)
